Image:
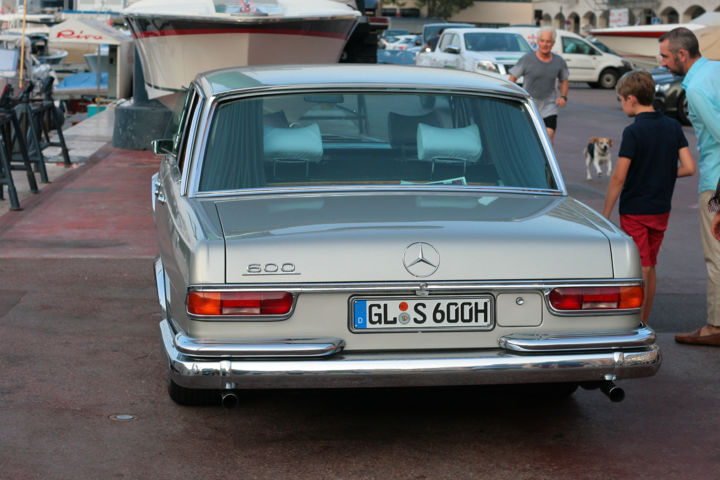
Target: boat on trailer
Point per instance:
(177, 39)
(640, 42)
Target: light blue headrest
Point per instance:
(303, 143)
(462, 144)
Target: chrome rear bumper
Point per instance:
(212, 367)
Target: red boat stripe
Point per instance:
(629, 34)
(212, 31)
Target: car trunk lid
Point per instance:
(376, 238)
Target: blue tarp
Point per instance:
(83, 80)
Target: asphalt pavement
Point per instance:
(82, 389)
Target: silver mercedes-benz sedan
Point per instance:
(372, 225)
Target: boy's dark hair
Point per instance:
(682, 38)
(638, 83)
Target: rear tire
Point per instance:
(192, 397)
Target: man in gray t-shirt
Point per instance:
(541, 70)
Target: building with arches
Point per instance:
(581, 16)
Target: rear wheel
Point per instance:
(683, 114)
(192, 397)
(608, 78)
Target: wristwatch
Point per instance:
(564, 97)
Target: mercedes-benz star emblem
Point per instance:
(421, 259)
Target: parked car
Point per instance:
(390, 36)
(363, 225)
(669, 94)
(476, 50)
(586, 63)
(398, 57)
(403, 42)
(394, 32)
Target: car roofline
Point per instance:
(234, 80)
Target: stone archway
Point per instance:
(559, 21)
(632, 18)
(670, 15)
(588, 22)
(604, 19)
(644, 16)
(546, 20)
(692, 12)
(572, 23)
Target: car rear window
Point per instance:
(496, 42)
(328, 139)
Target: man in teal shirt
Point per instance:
(681, 55)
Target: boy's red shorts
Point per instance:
(648, 232)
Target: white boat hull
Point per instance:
(171, 62)
(641, 42)
(175, 45)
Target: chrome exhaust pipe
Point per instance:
(612, 391)
(229, 400)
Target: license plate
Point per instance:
(422, 313)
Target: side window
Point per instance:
(592, 50)
(574, 45)
(446, 41)
(179, 126)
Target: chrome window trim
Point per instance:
(190, 148)
(375, 188)
(419, 287)
(547, 146)
(210, 107)
(201, 127)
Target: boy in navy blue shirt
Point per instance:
(644, 177)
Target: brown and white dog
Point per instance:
(597, 154)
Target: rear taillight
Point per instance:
(596, 298)
(239, 303)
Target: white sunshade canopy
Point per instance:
(84, 30)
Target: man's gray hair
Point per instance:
(550, 29)
(681, 38)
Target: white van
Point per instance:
(586, 62)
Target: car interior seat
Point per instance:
(449, 145)
(301, 145)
